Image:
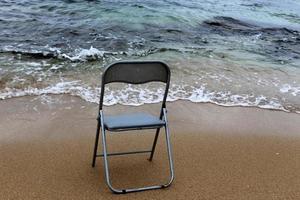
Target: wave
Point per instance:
(92, 54)
(279, 45)
(137, 96)
(78, 55)
(286, 88)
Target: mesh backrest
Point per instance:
(136, 72)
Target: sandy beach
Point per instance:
(234, 153)
(233, 98)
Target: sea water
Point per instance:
(230, 53)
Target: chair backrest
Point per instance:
(136, 72)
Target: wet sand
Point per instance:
(46, 146)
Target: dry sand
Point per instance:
(231, 153)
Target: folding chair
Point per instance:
(134, 72)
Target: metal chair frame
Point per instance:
(163, 116)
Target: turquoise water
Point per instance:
(226, 52)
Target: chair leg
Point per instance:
(106, 165)
(154, 144)
(169, 148)
(124, 191)
(96, 143)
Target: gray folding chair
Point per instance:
(134, 72)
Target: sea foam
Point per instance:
(137, 96)
(293, 90)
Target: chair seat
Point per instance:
(132, 121)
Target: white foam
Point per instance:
(199, 95)
(85, 54)
(54, 49)
(37, 65)
(136, 96)
(286, 88)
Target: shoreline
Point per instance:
(219, 152)
(146, 103)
